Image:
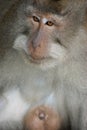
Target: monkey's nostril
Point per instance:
(36, 45)
(42, 115)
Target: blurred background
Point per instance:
(5, 6)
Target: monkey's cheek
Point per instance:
(42, 118)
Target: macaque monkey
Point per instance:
(43, 66)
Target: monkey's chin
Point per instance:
(44, 63)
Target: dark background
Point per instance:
(5, 6)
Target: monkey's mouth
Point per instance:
(38, 60)
(29, 58)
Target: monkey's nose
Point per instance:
(36, 53)
(36, 44)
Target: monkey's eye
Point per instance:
(49, 23)
(35, 19)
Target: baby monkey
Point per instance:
(43, 72)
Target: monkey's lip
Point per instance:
(37, 61)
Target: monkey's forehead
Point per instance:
(60, 7)
(46, 6)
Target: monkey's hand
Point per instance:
(42, 118)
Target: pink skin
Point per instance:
(42, 118)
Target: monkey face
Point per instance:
(42, 45)
(49, 34)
